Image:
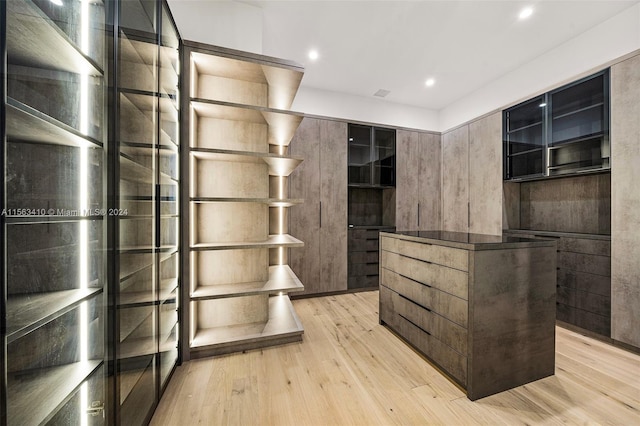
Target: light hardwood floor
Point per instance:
(349, 370)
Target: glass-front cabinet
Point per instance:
(54, 210)
(89, 294)
(147, 207)
(372, 156)
(565, 131)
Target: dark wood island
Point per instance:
(481, 307)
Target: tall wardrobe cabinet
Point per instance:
(321, 222)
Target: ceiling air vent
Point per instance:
(381, 93)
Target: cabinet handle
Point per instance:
(320, 214)
(418, 214)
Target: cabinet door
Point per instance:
(333, 207)
(455, 180)
(429, 182)
(304, 219)
(485, 178)
(408, 155)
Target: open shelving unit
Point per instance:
(54, 285)
(239, 129)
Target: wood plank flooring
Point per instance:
(349, 370)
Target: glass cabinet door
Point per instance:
(360, 155)
(168, 199)
(578, 126)
(54, 208)
(384, 157)
(137, 314)
(524, 142)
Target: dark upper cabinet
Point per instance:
(372, 156)
(561, 132)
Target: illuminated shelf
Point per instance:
(26, 313)
(282, 82)
(281, 278)
(274, 241)
(282, 124)
(278, 165)
(34, 40)
(271, 202)
(35, 396)
(283, 325)
(26, 124)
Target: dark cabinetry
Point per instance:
(561, 132)
(363, 256)
(372, 155)
(583, 279)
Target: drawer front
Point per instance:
(583, 319)
(445, 304)
(585, 246)
(449, 360)
(363, 281)
(597, 284)
(363, 245)
(593, 264)
(452, 281)
(363, 269)
(387, 309)
(363, 234)
(446, 256)
(595, 303)
(449, 333)
(363, 257)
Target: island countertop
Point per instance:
(470, 241)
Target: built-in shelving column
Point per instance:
(239, 132)
(53, 213)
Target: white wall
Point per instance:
(359, 108)
(610, 40)
(223, 23)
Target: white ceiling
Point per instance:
(396, 45)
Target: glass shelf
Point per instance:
(35, 396)
(34, 40)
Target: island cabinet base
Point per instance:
(480, 307)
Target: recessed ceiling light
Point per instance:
(542, 105)
(57, 2)
(313, 54)
(430, 82)
(525, 13)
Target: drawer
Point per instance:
(446, 256)
(585, 246)
(598, 284)
(363, 234)
(449, 360)
(363, 281)
(445, 304)
(452, 281)
(364, 269)
(449, 333)
(363, 257)
(386, 309)
(590, 302)
(363, 245)
(587, 320)
(593, 264)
